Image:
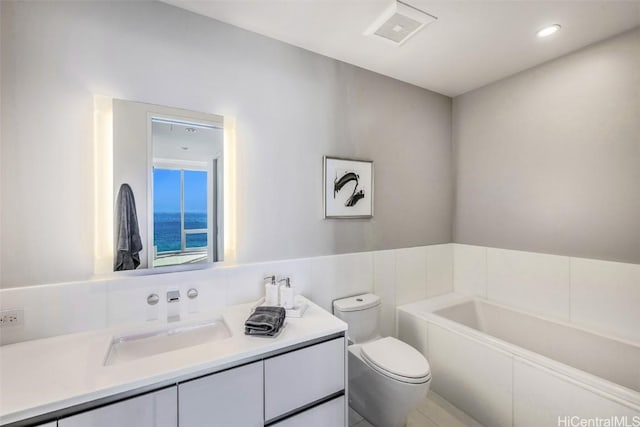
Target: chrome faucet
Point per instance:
(173, 305)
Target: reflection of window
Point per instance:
(186, 192)
(180, 220)
(195, 209)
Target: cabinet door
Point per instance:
(304, 376)
(331, 413)
(157, 409)
(229, 398)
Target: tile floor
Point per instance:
(433, 411)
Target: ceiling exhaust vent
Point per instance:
(399, 22)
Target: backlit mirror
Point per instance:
(186, 159)
(172, 159)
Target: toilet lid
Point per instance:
(396, 359)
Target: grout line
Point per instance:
(570, 291)
(422, 418)
(427, 267)
(395, 293)
(513, 383)
(486, 272)
(453, 267)
(431, 419)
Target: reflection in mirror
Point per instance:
(173, 160)
(186, 159)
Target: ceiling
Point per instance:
(178, 141)
(473, 42)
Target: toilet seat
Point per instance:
(397, 360)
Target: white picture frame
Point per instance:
(348, 188)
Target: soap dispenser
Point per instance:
(270, 291)
(286, 293)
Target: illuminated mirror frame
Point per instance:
(103, 217)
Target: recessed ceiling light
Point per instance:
(547, 31)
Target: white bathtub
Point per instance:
(507, 367)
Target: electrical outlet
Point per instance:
(11, 317)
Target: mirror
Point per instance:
(172, 159)
(186, 160)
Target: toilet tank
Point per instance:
(361, 313)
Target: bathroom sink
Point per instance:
(137, 345)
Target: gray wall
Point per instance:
(548, 160)
(291, 108)
(1, 134)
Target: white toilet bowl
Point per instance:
(387, 379)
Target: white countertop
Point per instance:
(42, 376)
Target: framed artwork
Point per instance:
(348, 188)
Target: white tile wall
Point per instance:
(126, 298)
(540, 397)
(597, 294)
(339, 276)
(384, 271)
(600, 295)
(470, 269)
(217, 287)
(212, 291)
(246, 282)
(411, 275)
(54, 309)
(64, 308)
(423, 272)
(299, 271)
(530, 281)
(497, 389)
(606, 296)
(439, 269)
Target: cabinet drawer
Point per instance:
(303, 376)
(229, 398)
(157, 409)
(330, 413)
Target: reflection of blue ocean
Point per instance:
(166, 230)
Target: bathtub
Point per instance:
(508, 367)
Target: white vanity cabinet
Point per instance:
(331, 413)
(302, 377)
(229, 398)
(262, 392)
(156, 409)
(298, 385)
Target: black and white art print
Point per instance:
(348, 188)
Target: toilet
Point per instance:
(387, 377)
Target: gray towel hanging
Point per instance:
(128, 242)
